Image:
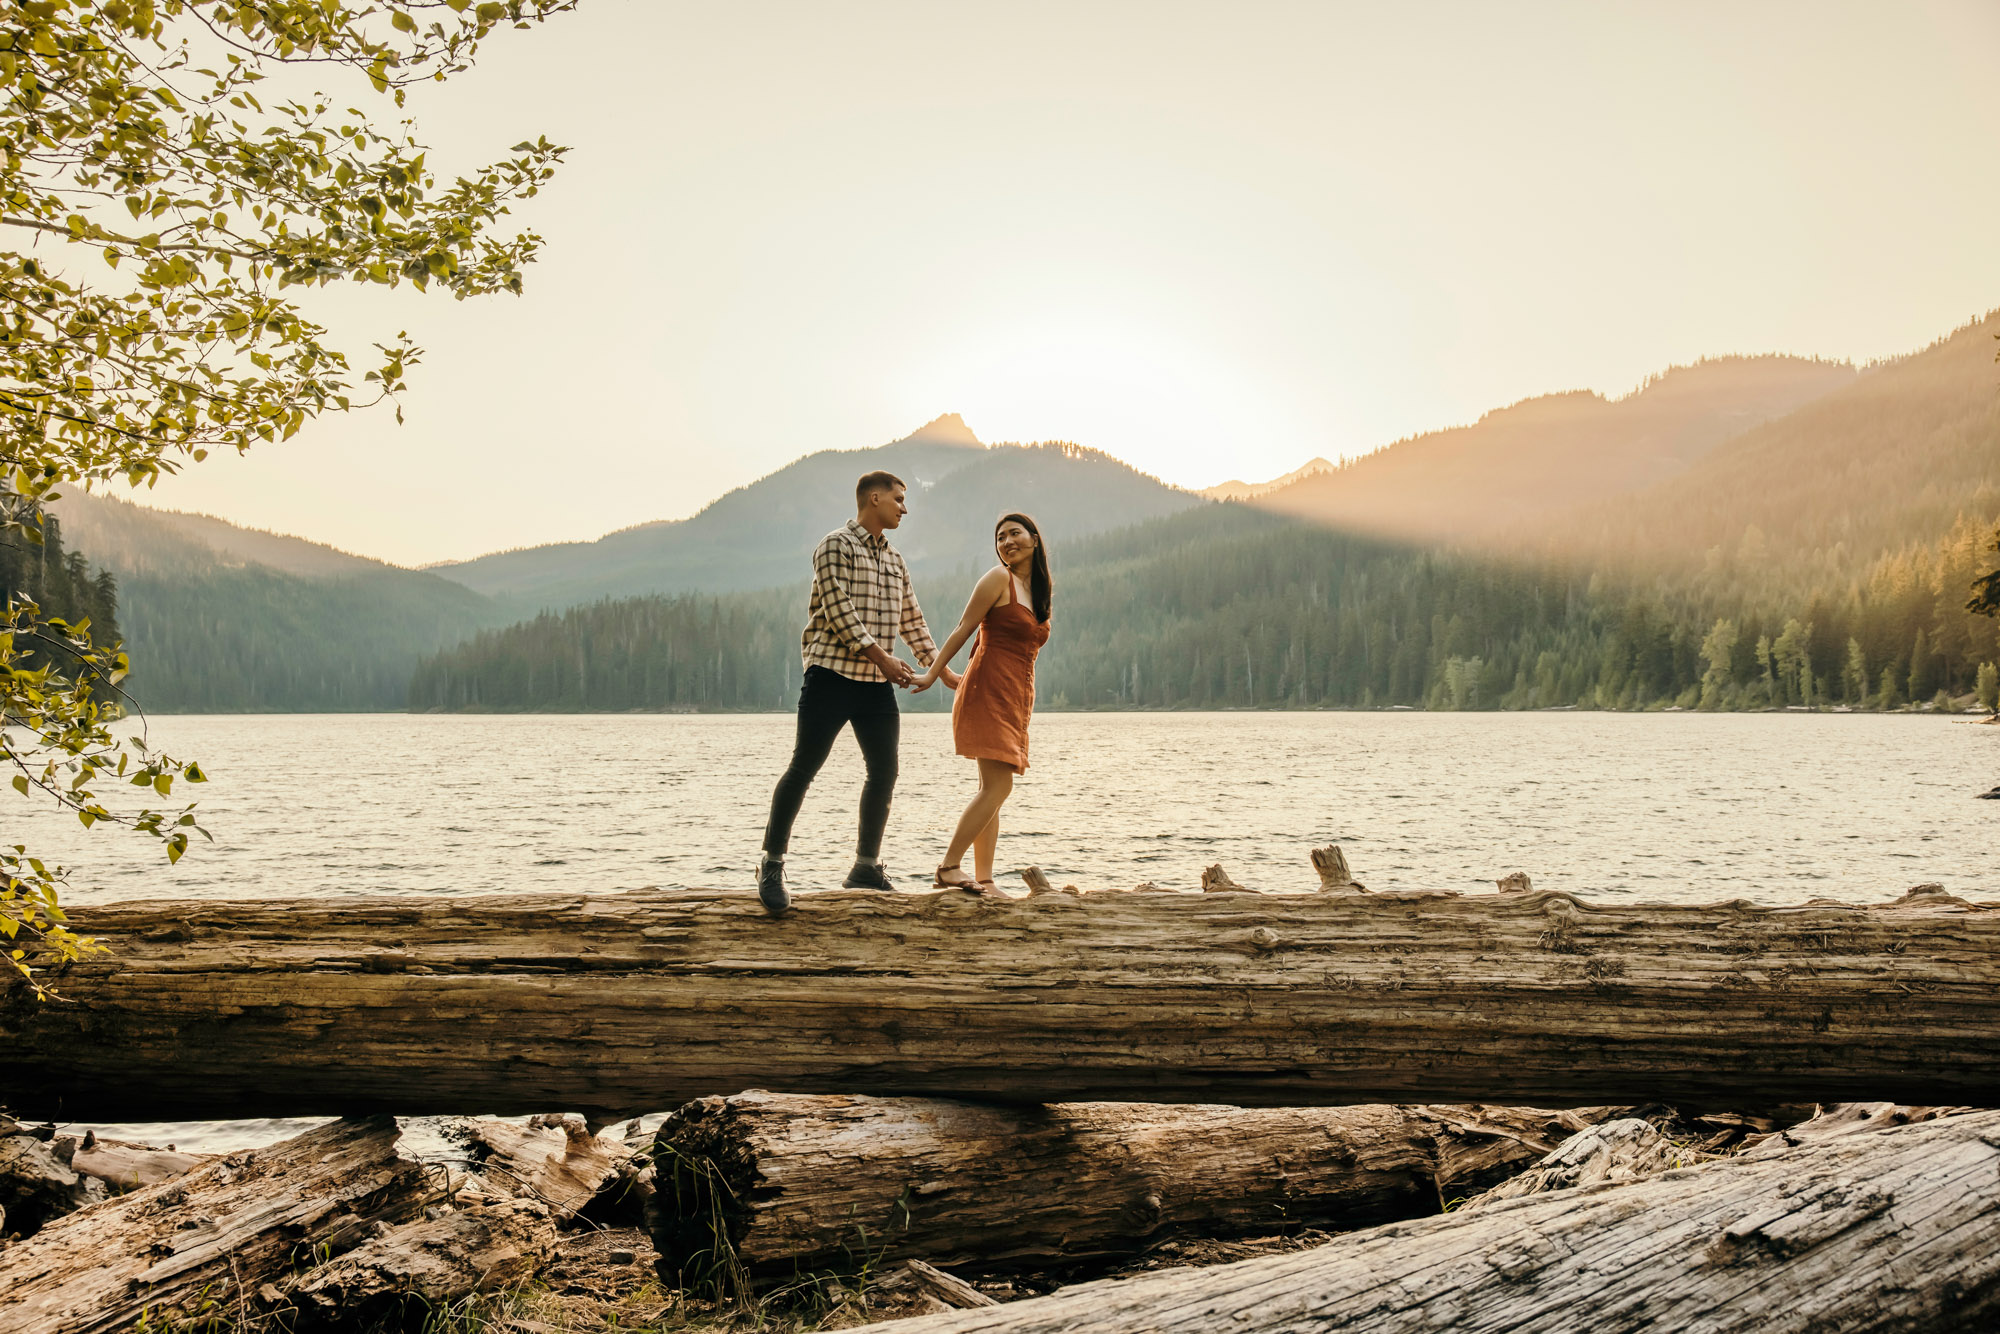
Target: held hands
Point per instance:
(938, 672)
(900, 673)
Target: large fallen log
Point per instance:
(215, 1235)
(779, 1182)
(1892, 1230)
(628, 1003)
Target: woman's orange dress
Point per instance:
(989, 719)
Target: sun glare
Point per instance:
(1129, 389)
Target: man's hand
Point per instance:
(900, 673)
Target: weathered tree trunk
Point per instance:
(1895, 1230)
(636, 1002)
(781, 1182)
(218, 1233)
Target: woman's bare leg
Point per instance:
(982, 848)
(996, 780)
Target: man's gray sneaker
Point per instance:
(868, 875)
(771, 887)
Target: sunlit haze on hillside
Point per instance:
(1214, 241)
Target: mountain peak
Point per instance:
(1240, 490)
(950, 429)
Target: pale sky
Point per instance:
(1214, 240)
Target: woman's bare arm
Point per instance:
(986, 595)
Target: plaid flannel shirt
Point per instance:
(861, 595)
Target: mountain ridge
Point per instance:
(1549, 453)
(759, 535)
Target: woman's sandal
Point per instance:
(987, 887)
(964, 881)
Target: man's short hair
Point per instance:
(874, 481)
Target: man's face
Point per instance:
(887, 506)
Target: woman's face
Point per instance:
(1012, 542)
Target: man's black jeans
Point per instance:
(828, 702)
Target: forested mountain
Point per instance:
(761, 535)
(1822, 558)
(1547, 455)
(1818, 556)
(1888, 463)
(62, 583)
(135, 537)
(1229, 608)
(220, 619)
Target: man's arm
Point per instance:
(912, 627)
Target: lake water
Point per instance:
(1674, 807)
(1683, 807)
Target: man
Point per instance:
(861, 600)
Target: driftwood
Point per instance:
(125, 1166)
(219, 1233)
(552, 1159)
(1847, 1118)
(38, 1182)
(627, 1003)
(1613, 1152)
(1893, 1230)
(946, 1288)
(782, 1182)
(425, 1263)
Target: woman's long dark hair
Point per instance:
(1041, 588)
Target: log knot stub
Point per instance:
(1215, 880)
(1334, 876)
(1798, 1225)
(1522, 1255)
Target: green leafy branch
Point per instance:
(56, 733)
(135, 146)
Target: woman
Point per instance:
(1009, 608)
